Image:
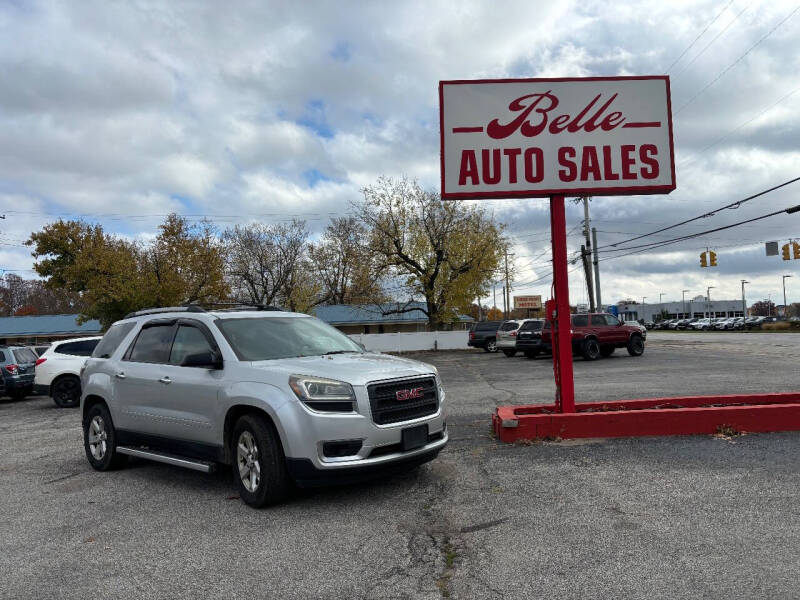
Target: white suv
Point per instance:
(281, 397)
(58, 370)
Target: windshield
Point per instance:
(269, 338)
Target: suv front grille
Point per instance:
(388, 408)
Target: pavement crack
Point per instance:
(481, 526)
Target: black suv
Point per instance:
(529, 338)
(484, 335)
(17, 364)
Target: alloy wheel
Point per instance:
(247, 459)
(98, 437)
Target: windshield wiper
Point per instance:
(339, 352)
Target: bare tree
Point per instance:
(263, 261)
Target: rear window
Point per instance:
(531, 326)
(82, 348)
(486, 326)
(112, 339)
(509, 326)
(24, 355)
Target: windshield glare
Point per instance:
(269, 338)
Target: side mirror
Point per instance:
(208, 360)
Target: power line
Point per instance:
(732, 205)
(689, 47)
(716, 37)
(738, 60)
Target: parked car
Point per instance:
(58, 370)
(507, 336)
(639, 326)
(754, 322)
(39, 349)
(649, 324)
(484, 335)
(599, 334)
(529, 338)
(724, 324)
(18, 367)
(278, 397)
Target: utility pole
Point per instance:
(660, 305)
(643, 299)
(586, 253)
(596, 270)
(785, 307)
(494, 295)
(708, 298)
(683, 299)
(744, 303)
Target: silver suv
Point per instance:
(280, 397)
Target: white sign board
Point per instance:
(534, 302)
(543, 137)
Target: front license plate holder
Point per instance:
(414, 437)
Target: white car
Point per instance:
(58, 370)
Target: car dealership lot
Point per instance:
(661, 517)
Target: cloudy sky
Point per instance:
(123, 112)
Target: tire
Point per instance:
(636, 345)
(510, 353)
(66, 391)
(100, 440)
(531, 354)
(259, 465)
(590, 349)
(491, 345)
(606, 351)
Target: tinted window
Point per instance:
(487, 326)
(612, 320)
(598, 320)
(152, 345)
(531, 326)
(188, 340)
(112, 339)
(509, 326)
(83, 348)
(580, 320)
(24, 356)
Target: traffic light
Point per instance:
(703, 262)
(796, 249)
(712, 256)
(785, 251)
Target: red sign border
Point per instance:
(588, 191)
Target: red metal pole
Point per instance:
(562, 350)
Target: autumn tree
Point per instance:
(763, 308)
(265, 263)
(445, 253)
(494, 314)
(344, 265)
(20, 297)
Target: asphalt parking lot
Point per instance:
(676, 517)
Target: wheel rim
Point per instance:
(492, 346)
(593, 350)
(248, 461)
(638, 346)
(98, 438)
(66, 390)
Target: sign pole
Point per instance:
(561, 335)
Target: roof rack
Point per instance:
(243, 306)
(165, 309)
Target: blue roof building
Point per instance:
(378, 318)
(36, 329)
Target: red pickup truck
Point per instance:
(599, 334)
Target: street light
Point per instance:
(744, 303)
(708, 298)
(643, 299)
(683, 299)
(660, 305)
(785, 308)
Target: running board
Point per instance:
(170, 459)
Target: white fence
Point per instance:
(414, 341)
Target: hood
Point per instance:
(355, 369)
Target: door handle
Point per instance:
(165, 380)
(119, 375)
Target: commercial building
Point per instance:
(699, 307)
(40, 329)
(379, 318)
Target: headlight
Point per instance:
(323, 395)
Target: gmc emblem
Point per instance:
(403, 395)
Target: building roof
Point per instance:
(367, 314)
(46, 325)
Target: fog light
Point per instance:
(341, 448)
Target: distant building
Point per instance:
(376, 318)
(39, 329)
(697, 307)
